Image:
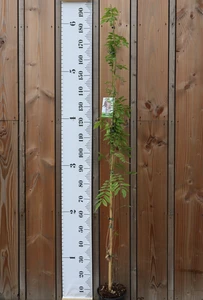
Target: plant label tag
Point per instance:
(107, 107)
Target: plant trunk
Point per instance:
(110, 273)
(110, 254)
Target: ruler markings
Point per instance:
(76, 90)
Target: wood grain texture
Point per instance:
(8, 60)
(122, 224)
(21, 182)
(171, 150)
(8, 151)
(152, 210)
(96, 104)
(152, 59)
(189, 155)
(133, 135)
(152, 87)
(8, 210)
(40, 148)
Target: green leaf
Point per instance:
(124, 193)
(107, 199)
(117, 191)
(104, 203)
(132, 173)
(97, 124)
(121, 157)
(97, 206)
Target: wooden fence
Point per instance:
(160, 242)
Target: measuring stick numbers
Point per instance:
(76, 115)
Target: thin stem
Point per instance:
(112, 158)
(114, 66)
(111, 223)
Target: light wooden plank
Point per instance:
(152, 210)
(133, 96)
(189, 154)
(152, 59)
(40, 148)
(22, 225)
(8, 60)
(152, 87)
(122, 224)
(8, 210)
(171, 149)
(96, 28)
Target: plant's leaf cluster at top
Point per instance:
(115, 133)
(110, 16)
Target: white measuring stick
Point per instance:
(76, 91)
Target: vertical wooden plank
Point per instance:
(152, 210)
(58, 150)
(40, 148)
(133, 92)
(189, 154)
(171, 150)
(22, 224)
(8, 151)
(152, 60)
(96, 28)
(9, 210)
(122, 224)
(8, 60)
(152, 149)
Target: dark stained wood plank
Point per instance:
(189, 154)
(96, 28)
(22, 225)
(171, 150)
(122, 217)
(152, 59)
(133, 95)
(40, 148)
(8, 60)
(8, 151)
(152, 210)
(8, 210)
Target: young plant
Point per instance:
(115, 133)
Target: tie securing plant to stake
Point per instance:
(113, 123)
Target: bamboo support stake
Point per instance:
(110, 262)
(110, 251)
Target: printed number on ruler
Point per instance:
(76, 90)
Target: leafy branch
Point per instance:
(115, 134)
